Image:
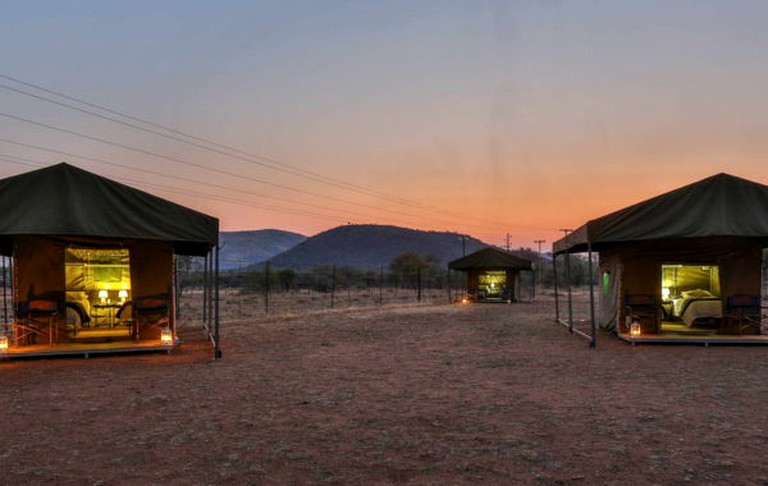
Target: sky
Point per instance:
(505, 120)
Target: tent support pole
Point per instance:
(174, 312)
(206, 289)
(209, 308)
(554, 278)
(217, 346)
(570, 294)
(5, 295)
(593, 341)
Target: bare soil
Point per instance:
(435, 394)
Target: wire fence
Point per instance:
(239, 304)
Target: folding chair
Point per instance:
(38, 317)
(151, 315)
(744, 313)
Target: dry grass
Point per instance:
(441, 394)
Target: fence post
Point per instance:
(418, 284)
(333, 284)
(266, 289)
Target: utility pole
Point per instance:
(507, 242)
(538, 268)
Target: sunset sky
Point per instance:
(482, 117)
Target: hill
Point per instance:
(373, 246)
(244, 248)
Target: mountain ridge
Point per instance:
(373, 246)
(240, 249)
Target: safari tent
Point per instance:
(90, 264)
(685, 265)
(493, 275)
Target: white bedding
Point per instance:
(699, 309)
(696, 304)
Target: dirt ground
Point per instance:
(438, 394)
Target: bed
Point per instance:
(697, 307)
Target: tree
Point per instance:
(286, 277)
(410, 265)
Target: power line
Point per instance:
(216, 197)
(252, 158)
(220, 149)
(400, 214)
(193, 164)
(176, 177)
(345, 215)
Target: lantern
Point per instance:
(3, 343)
(166, 337)
(634, 328)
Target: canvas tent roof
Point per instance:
(63, 200)
(720, 205)
(490, 258)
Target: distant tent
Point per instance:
(492, 274)
(86, 244)
(707, 236)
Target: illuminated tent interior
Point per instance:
(492, 274)
(687, 262)
(92, 260)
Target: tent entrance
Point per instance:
(98, 292)
(691, 299)
(492, 285)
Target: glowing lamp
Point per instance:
(665, 293)
(3, 343)
(166, 336)
(465, 300)
(634, 328)
(123, 294)
(103, 294)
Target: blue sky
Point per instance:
(486, 117)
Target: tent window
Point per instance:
(676, 279)
(98, 283)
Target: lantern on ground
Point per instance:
(634, 328)
(166, 336)
(3, 343)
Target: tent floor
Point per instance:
(101, 334)
(85, 349)
(694, 338)
(675, 332)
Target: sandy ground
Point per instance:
(439, 394)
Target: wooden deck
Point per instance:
(695, 338)
(85, 349)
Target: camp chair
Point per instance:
(744, 313)
(150, 315)
(644, 309)
(38, 317)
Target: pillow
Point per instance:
(696, 294)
